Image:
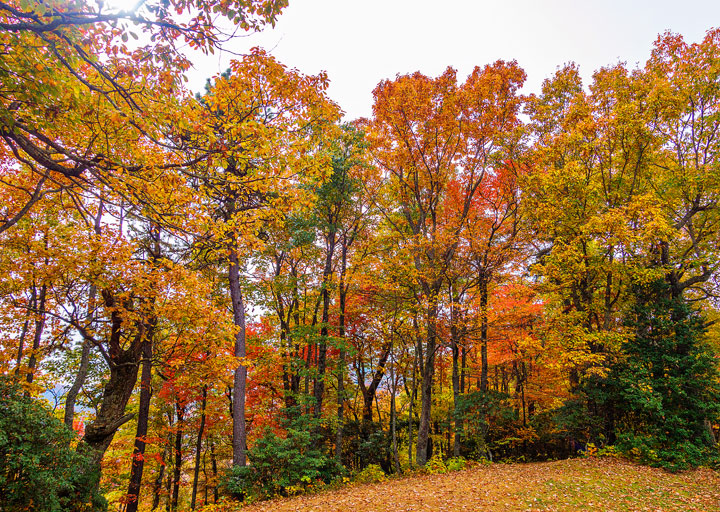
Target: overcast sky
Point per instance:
(360, 43)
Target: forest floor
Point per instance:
(598, 484)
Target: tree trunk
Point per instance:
(39, 323)
(428, 372)
(411, 419)
(239, 440)
(417, 362)
(26, 326)
(483, 284)
(463, 365)
(159, 480)
(157, 486)
(455, 348)
(319, 388)
(369, 392)
(117, 392)
(39, 328)
(341, 357)
(169, 479)
(77, 385)
(456, 392)
(99, 434)
(198, 449)
(180, 410)
(213, 462)
(138, 462)
(393, 419)
(81, 375)
(286, 342)
(124, 365)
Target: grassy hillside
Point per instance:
(601, 485)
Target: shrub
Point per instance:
(371, 473)
(435, 465)
(366, 443)
(39, 469)
(456, 464)
(283, 465)
(220, 506)
(486, 419)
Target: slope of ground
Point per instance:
(602, 485)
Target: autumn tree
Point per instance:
(265, 123)
(305, 274)
(339, 213)
(69, 74)
(592, 161)
(426, 134)
(685, 99)
(625, 200)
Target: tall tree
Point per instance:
(428, 134)
(265, 124)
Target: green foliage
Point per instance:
(661, 392)
(607, 451)
(284, 465)
(487, 422)
(39, 469)
(370, 473)
(584, 418)
(456, 464)
(366, 443)
(666, 385)
(554, 430)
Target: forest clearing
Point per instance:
(601, 484)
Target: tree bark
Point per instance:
(138, 462)
(411, 419)
(213, 461)
(77, 384)
(369, 392)
(124, 363)
(319, 388)
(26, 326)
(393, 418)
(198, 449)
(483, 285)
(161, 474)
(455, 348)
(463, 365)
(81, 375)
(117, 392)
(180, 410)
(426, 387)
(238, 406)
(456, 392)
(39, 328)
(341, 357)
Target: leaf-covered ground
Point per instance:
(602, 485)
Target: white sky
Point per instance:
(361, 42)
